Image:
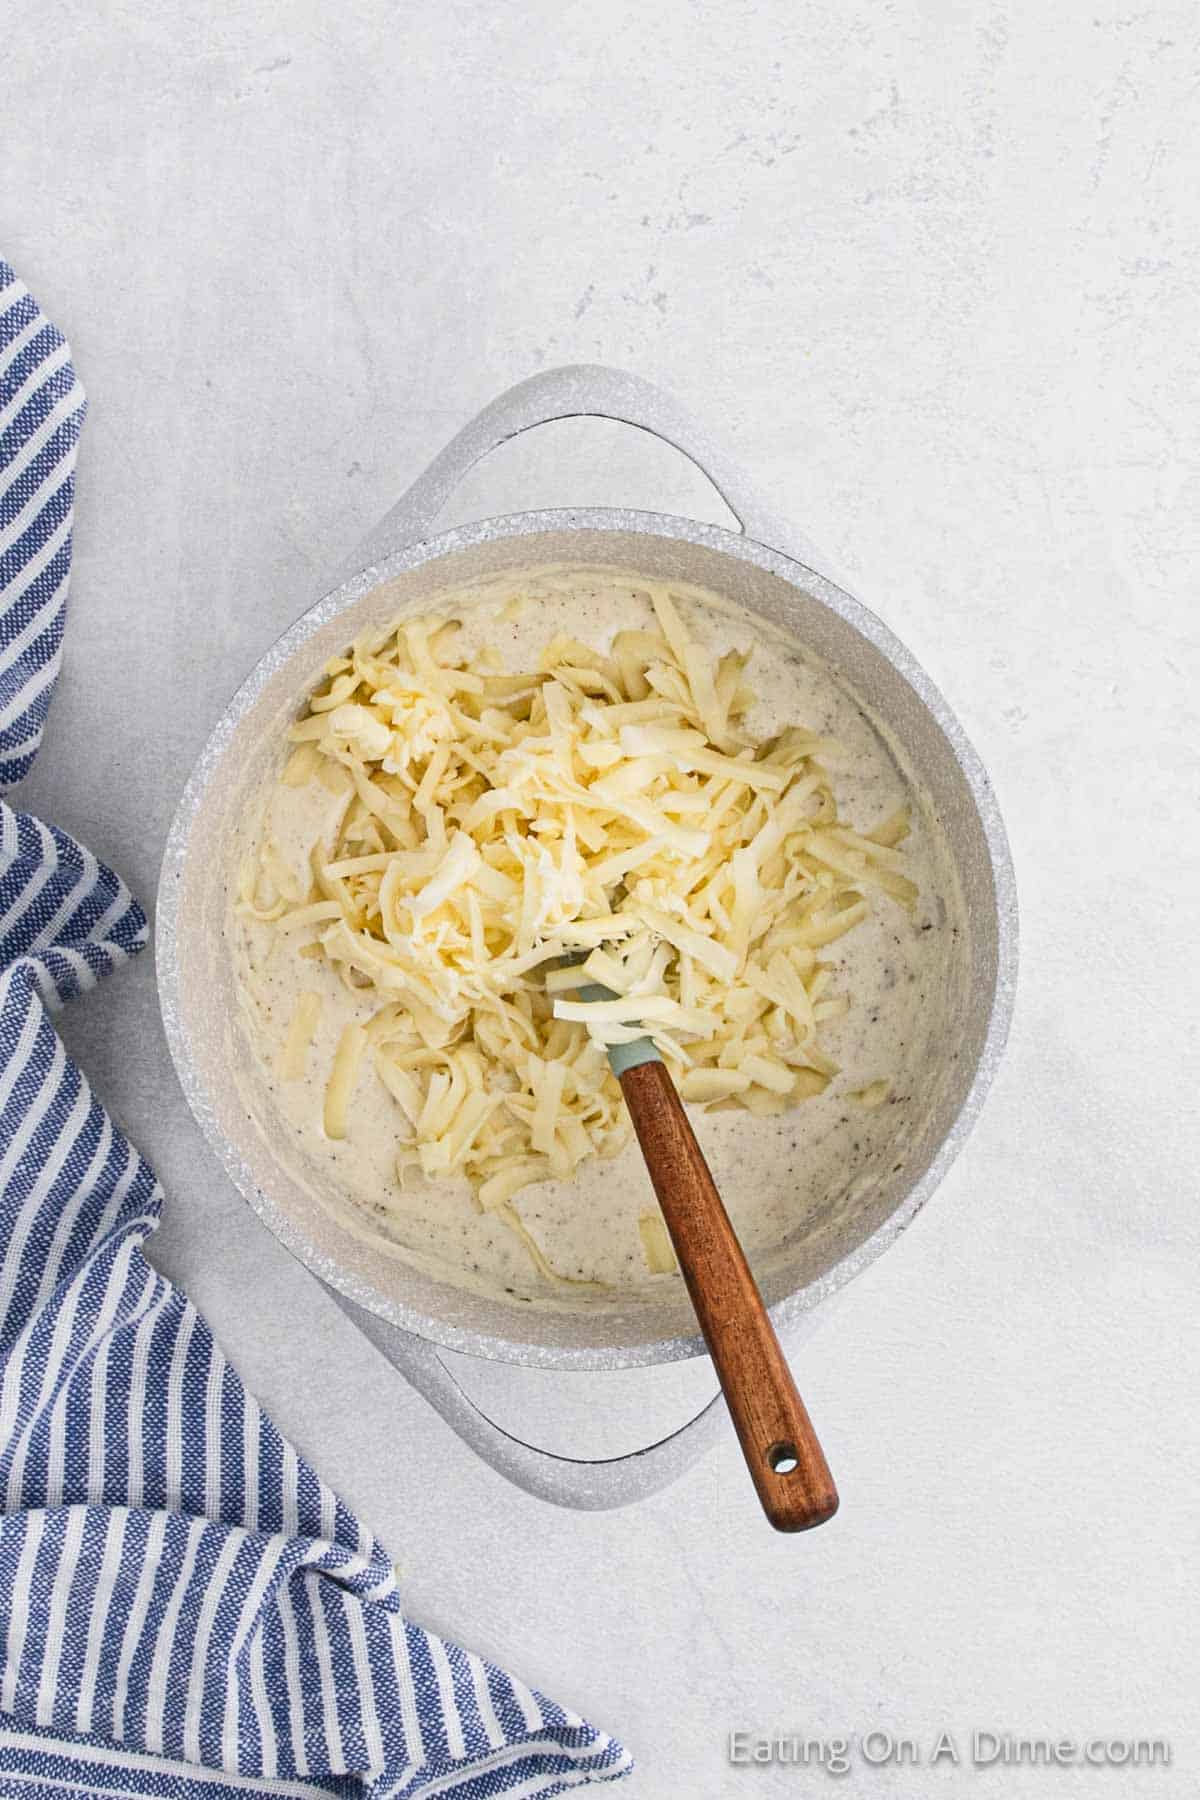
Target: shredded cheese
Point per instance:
(298, 1042)
(342, 1079)
(657, 1249)
(607, 810)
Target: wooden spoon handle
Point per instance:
(777, 1437)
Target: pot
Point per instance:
(770, 570)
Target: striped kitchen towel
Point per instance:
(185, 1608)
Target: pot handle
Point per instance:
(587, 1485)
(580, 390)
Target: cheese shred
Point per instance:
(498, 841)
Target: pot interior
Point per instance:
(830, 1235)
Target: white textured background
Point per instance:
(933, 270)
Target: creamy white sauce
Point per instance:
(775, 1174)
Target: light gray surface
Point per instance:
(945, 260)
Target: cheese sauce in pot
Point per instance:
(775, 1173)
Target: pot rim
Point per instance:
(347, 594)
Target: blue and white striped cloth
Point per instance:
(186, 1609)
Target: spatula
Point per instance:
(777, 1437)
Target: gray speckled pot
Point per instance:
(406, 1312)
